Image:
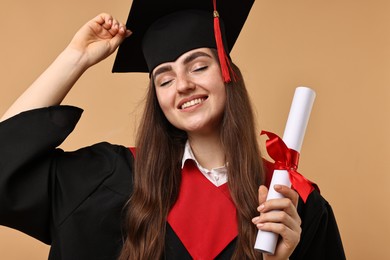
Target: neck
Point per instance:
(207, 150)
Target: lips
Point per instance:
(192, 102)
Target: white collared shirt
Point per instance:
(217, 176)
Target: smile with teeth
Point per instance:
(192, 103)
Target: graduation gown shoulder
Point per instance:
(70, 200)
(320, 237)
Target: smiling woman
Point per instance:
(195, 188)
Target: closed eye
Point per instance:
(200, 68)
(165, 83)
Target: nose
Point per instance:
(184, 84)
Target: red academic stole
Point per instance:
(204, 215)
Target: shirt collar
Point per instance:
(189, 155)
(217, 176)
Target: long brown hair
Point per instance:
(157, 174)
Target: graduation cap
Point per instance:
(165, 29)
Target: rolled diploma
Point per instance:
(293, 137)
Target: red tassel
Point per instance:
(223, 58)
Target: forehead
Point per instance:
(188, 57)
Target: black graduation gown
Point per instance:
(74, 201)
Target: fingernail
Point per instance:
(259, 225)
(255, 219)
(277, 187)
(261, 207)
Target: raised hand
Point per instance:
(99, 38)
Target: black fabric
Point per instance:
(74, 200)
(187, 30)
(320, 237)
(26, 147)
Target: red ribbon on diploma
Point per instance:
(287, 159)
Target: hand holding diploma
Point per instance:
(286, 155)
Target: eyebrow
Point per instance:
(162, 70)
(187, 60)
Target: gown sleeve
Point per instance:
(28, 144)
(320, 237)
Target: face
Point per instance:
(191, 92)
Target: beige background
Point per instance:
(340, 48)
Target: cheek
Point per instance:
(221, 94)
(164, 100)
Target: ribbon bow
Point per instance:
(287, 159)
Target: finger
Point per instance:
(290, 237)
(114, 28)
(262, 194)
(276, 204)
(128, 33)
(123, 30)
(105, 20)
(288, 193)
(291, 221)
(119, 37)
(262, 197)
(284, 205)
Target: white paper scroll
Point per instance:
(293, 137)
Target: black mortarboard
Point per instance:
(165, 29)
